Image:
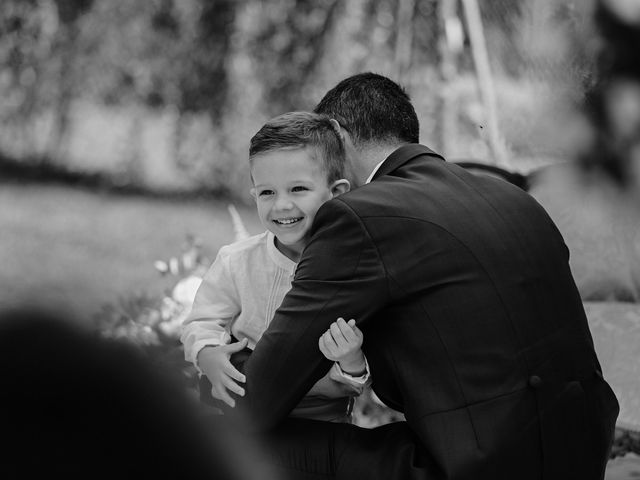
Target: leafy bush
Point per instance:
(153, 323)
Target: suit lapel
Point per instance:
(401, 156)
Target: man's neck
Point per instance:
(371, 156)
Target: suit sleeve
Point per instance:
(340, 274)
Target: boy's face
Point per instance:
(289, 187)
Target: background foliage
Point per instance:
(166, 94)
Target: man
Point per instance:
(473, 326)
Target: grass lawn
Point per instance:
(73, 250)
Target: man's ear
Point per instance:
(336, 126)
(340, 186)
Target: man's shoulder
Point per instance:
(368, 199)
(351, 203)
(348, 212)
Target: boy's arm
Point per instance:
(340, 274)
(215, 304)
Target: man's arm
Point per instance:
(340, 275)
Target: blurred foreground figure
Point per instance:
(75, 406)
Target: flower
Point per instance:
(185, 290)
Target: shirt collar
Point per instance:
(375, 169)
(279, 258)
(401, 156)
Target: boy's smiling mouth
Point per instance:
(286, 221)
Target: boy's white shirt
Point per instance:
(228, 302)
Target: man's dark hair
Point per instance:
(301, 130)
(372, 108)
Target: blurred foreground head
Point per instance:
(78, 406)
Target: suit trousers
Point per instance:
(301, 449)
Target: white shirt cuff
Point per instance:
(360, 380)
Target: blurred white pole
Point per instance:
(239, 230)
(404, 39)
(487, 92)
(450, 45)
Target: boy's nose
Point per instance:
(283, 202)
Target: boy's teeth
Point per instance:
(287, 221)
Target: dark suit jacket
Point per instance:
(473, 326)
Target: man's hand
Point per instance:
(341, 343)
(214, 362)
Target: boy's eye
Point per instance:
(264, 193)
(299, 188)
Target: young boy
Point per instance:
(297, 163)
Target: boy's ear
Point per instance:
(340, 186)
(253, 193)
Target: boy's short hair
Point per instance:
(295, 130)
(372, 108)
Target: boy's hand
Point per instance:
(341, 343)
(214, 362)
